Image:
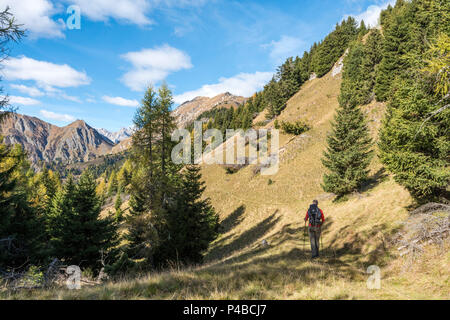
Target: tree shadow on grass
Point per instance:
(233, 220)
(245, 239)
(350, 243)
(379, 177)
(293, 234)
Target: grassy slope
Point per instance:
(355, 235)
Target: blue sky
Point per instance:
(99, 72)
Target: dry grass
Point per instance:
(355, 236)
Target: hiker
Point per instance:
(316, 219)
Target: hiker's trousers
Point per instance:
(314, 238)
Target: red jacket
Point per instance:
(322, 217)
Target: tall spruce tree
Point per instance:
(58, 220)
(349, 153)
(273, 98)
(153, 185)
(414, 150)
(168, 221)
(414, 138)
(193, 222)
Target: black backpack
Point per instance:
(314, 215)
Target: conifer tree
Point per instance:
(333, 46)
(59, 219)
(11, 31)
(154, 184)
(78, 235)
(21, 232)
(414, 141)
(49, 185)
(349, 153)
(20, 223)
(273, 99)
(193, 223)
(118, 204)
(112, 183)
(414, 149)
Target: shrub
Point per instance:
(296, 128)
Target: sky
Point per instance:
(94, 59)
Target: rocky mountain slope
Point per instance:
(190, 110)
(46, 142)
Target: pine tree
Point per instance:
(362, 28)
(153, 185)
(118, 204)
(112, 184)
(20, 223)
(414, 143)
(165, 144)
(142, 235)
(193, 223)
(49, 184)
(415, 150)
(21, 232)
(59, 220)
(333, 46)
(370, 62)
(349, 151)
(273, 99)
(353, 90)
(143, 152)
(10, 32)
(79, 235)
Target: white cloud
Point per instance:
(68, 97)
(35, 15)
(243, 84)
(47, 75)
(153, 65)
(129, 11)
(179, 3)
(372, 14)
(31, 91)
(49, 91)
(24, 101)
(119, 101)
(284, 48)
(57, 116)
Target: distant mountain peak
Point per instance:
(118, 136)
(190, 110)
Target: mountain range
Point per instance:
(79, 142)
(117, 136)
(46, 142)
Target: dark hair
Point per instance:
(315, 202)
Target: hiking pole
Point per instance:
(321, 241)
(304, 237)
